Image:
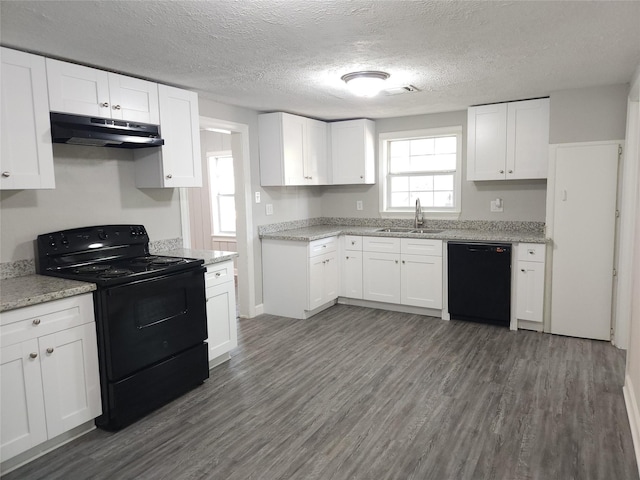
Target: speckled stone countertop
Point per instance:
(209, 256)
(29, 290)
(316, 232)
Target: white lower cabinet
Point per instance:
(49, 364)
(351, 267)
(403, 271)
(221, 309)
(299, 277)
(530, 282)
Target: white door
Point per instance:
(584, 204)
(381, 277)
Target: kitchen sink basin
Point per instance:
(395, 230)
(425, 230)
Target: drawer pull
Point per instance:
(50, 350)
(36, 321)
(523, 270)
(353, 242)
(532, 252)
(218, 274)
(33, 355)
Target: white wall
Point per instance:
(94, 186)
(523, 200)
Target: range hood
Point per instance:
(103, 132)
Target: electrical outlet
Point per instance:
(497, 205)
(269, 209)
(257, 197)
(359, 205)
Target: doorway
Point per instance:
(194, 225)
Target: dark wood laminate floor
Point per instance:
(356, 393)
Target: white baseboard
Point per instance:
(633, 412)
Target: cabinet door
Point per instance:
(351, 285)
(133, 99)
(23, 418)
(530, 291)
(221, 319)
(316, 293)
(527, 139)
(26, 154)
(331, 281)
(70, 378)
(381, 277)
(352, 152)
(293, 144)
(316, 164)
(78, 89)
(421, 281)
(487, 142)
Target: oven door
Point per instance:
(148, 321)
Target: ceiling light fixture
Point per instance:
(365, 84)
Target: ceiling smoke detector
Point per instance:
(365, 84)
(400, 90)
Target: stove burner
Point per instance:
(116, 272)
(166, 261)
(93, 268)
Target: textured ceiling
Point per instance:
(289, 55)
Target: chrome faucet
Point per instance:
(419, 218)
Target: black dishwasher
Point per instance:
(480, 282)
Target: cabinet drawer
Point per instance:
(381, 244)
(421, 246)
(32, 322)
(353, 242)
(531, 252)
(218, 273)
(322, 246)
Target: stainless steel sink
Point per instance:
(425, 230)
(395, 230)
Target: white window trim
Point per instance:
(383, 138)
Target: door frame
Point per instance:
(244, 237)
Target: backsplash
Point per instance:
(20, 268)
(486, 225)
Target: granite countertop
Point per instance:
(33, 289)
(29, 290)
(316, 232)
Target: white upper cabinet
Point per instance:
(293, 150)
(26, 155)
(89, 91)
(177, 163)
(352, 152)
(508, 141)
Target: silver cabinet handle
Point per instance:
(347, 258)
(50, 350)
(523, 270)
(36, 321)
(104, 104)
(532, 252)
(501, 171)
(510, 171)
(353, 243)
(116, 107)
(396, 261)
(361, 176)
(6, 174)
(402, 261)
(33, 355)
(218, 274)
(169, 175)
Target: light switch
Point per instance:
(359, 205)
(269, 209)
(257, 197)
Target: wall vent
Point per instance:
(400, 90)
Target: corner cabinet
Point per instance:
(508, 141)
(26, 155)
(89, 91)
(299, 278)
(177, 163)
(49, 365)
(293, 150)
(221, 310)
(353, 152)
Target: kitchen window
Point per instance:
(424, 164)
(223, 203)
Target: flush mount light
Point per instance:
(365, 84)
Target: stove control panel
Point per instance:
(91, 238)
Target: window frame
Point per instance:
(213, 157)
(384, 179)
